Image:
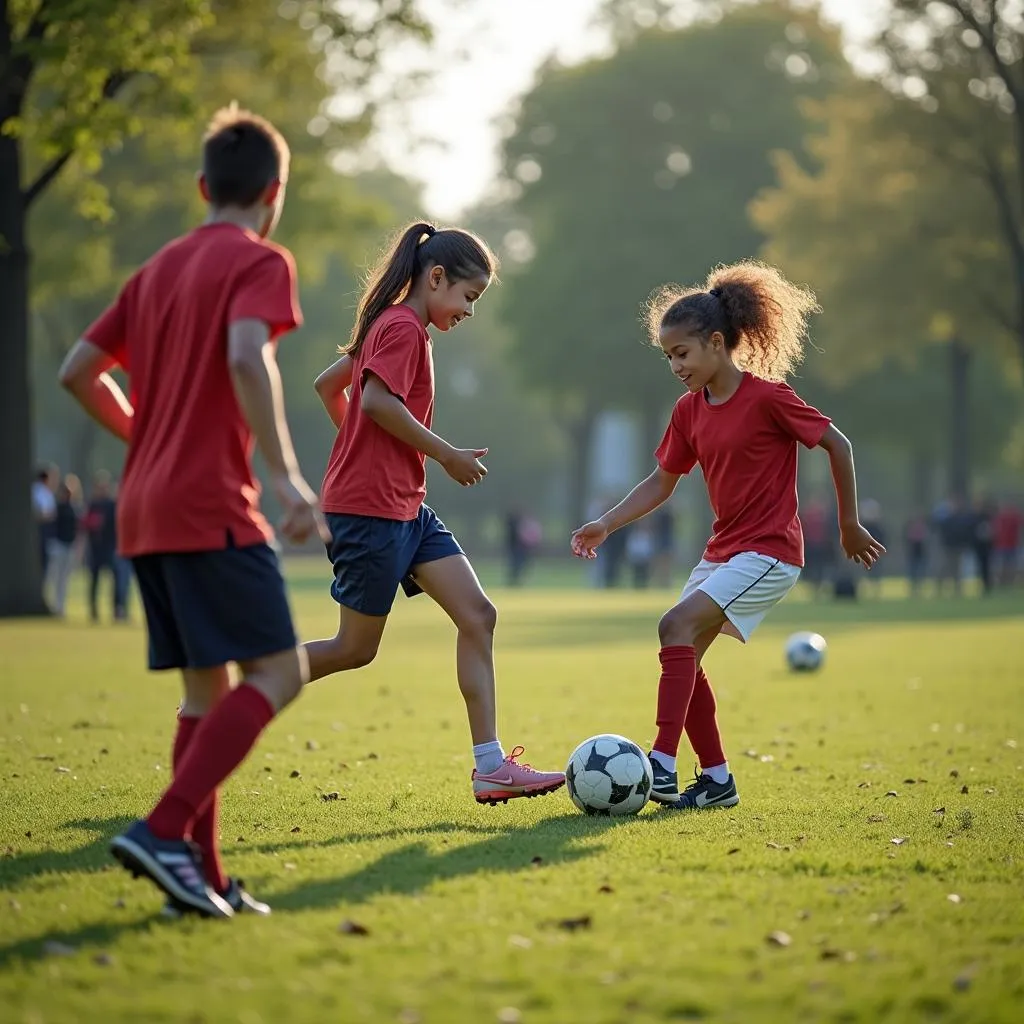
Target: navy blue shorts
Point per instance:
(372, 557)
(206, 608)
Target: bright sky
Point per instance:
(504, 42)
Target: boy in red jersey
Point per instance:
(195, 328)
(741, 425)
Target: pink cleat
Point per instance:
(511, 779)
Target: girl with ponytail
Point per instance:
(731, 342)
(380, 395)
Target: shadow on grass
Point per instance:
(415, 866)
(93, 937)
(93, 856)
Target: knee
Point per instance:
(348, 652)
(479, 621)
(677, 627)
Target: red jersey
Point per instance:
(188, 482)
(371, 472)
(746, 449)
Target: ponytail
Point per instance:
(758, 312)
(462, 255)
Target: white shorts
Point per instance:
(746, 588)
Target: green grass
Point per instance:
(463, 920)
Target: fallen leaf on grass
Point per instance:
(964, 789)
(874, 819)
(103, 959)
(938, 810)
(520, 941)
(892, 792)
(312, 745)
(954, 774)
(509, 1015)
(288, 866)
(863, 785)
(240, 839)
(371, 757)
(45, 757)
(296, 829)
(898, 840)
(348, 927)
(954, 898)
(331, 796)
(62, 770)
(295, 774)
(606, 888)
(775, 846)
(750, 753)
(778, 939)
(735, 849)
(571, 924)
(910, 782)
(537, 861)
(989, 790)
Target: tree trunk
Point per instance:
(920, 477)
(580, 431)
(20, 575)
(959, 420)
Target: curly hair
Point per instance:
(761, 315)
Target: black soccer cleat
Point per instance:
(665, 788)
(173, 865)
(235, 895)
(704, 794)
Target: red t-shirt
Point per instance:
(371, 472)
(188, 482)
(1006, 529)
(746, 448)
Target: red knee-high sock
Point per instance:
(678, 676)
(204, 828)
(221, 742)
(702, 724)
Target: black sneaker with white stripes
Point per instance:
(174, 865)
(665, 788)
(704, 793)
(237, 897)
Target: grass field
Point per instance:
(881, 830)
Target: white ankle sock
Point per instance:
(719, 772)
(488, 756)
(665, 760)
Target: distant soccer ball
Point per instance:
(609, 774)
(805, 652)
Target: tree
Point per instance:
(963, 61)
(77, 78)
(902, 252)
(629, 171)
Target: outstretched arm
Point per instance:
(645, 497)
(858, 544)
(84, 374)
(332, 387)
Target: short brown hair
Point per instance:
(243, 155)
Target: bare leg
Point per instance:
(453, 584)
(354, 646)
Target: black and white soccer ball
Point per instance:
(609, 774)
(805, 652)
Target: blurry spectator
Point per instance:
(981, 541)
(916, 537)
(1006, 534)
(640, 554)
(614, 551)
(101, 534)
(523, 535)
(63, 547)
(44, 510)
(664, 546)
(955, 526)
(815, 523)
